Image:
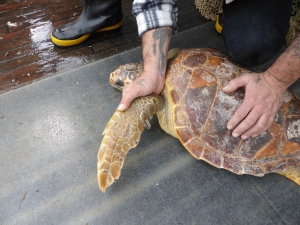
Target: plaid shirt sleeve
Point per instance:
(151, 14)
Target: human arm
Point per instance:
(155, 45)
(264, 93)
(156, 22)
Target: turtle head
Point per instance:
(125, 74)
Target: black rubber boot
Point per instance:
(97, 16)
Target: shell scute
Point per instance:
(292, 162)
(182, 82)
(277, 166)
(201, 78)
(222, 141)
(250, 147)
(195, 60)
(197, 104)
(223, 108)
(250, 167)
(212, 157)
(290, 148)
(272, 146)
(215, 134)
(223, 69)
(185, 134)
(233, 164)
(292, 125)
(174, 97)
(195, 147)
(294, 107)
(180, 116)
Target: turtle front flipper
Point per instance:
(121, 134)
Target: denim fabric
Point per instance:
(254, 30)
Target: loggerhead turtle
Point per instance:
(193, 109)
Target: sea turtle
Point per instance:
(193, 108)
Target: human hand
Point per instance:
(148, 83)
(263, 98)
(155, 44)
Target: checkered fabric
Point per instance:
(151, 14)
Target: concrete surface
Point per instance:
(49, 139)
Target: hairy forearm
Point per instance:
(155, 44)
(286, 69)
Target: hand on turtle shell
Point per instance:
(263, 98)
(148, 83)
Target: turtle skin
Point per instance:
(193, 108)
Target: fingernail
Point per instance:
(244, 137)
(226, 88)
(235, 135)
(121, 107)
(229, 127)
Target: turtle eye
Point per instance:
(119, 83)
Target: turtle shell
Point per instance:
(194, 83)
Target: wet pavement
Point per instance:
(27, 54)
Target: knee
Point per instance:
(253, 50)
(252, 32)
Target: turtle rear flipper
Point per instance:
(121, 134)
(292, 173)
